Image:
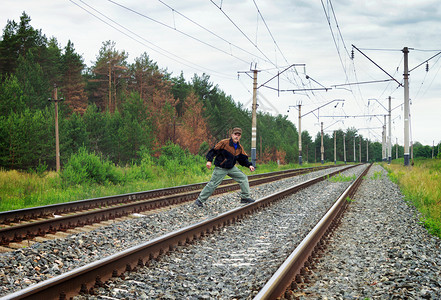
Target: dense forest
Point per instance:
(119, 109)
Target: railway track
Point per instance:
(27, 224)
(89, 278)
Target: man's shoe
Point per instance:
(246, 200)
(198, 203)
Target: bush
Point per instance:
(84, 167)
(176, 160)
(145, 169)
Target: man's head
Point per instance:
(236, 134)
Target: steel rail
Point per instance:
(17, 215)
(27, 231)
(287, 272)
(83, 279)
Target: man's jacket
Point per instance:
(227, 156)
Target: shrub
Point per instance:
(176, 160)
(145, 169)
(84, 167)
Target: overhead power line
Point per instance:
(399, 83)
(161, 51)
(269, 31)
(240, 30)
(206, 29)
(177, 30)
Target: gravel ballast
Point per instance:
(380, 250)
(237, 261)
(42, 261)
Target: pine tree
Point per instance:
(193, 130)
(109, 73)
(73, 83)
(17, 40)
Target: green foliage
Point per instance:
(175, 160)
(40, 170)
(11, 96)
(342, 178)
(432, 225)
(348, 199)
(85, 167)
(145, 169)
(421, 186)
(203, 149)
(24, 138)
(377, 175)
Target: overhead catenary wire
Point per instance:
(161, 51)
(177, 30)
(206, 29)
(328, 18)
(274, 40)
(240, 30)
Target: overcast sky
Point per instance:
(227, 38)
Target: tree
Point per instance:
(108, 74)
(144, 77)
(11, 96)
(136, 131)
(49, 58)
(35, 86)
(18, 40)
(180, 90)
(192, 131)
(162, 115)
(73, 135)
(73, 84)
(28, 138)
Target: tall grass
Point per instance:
(421, 185)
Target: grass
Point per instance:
(377, 175)
(23, 189)
(342, 178)
(421, 186)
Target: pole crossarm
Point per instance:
(278, 73)
(427, 60)
(341, 100)
(359, 116)
(362, 82)
(378, 103)
(297, 90)
(399, 83)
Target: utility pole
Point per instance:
(406, 106)
(359, 151)
(389, 141)
(300, 123)
(57, 139)
(300, 134)
(384, 140)
(344, 147)
(322, 148)
(433, 147)
(396, 150)
(254, 120)
(335, 147)
(307, 153)
(354, 149)
(367, 151)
